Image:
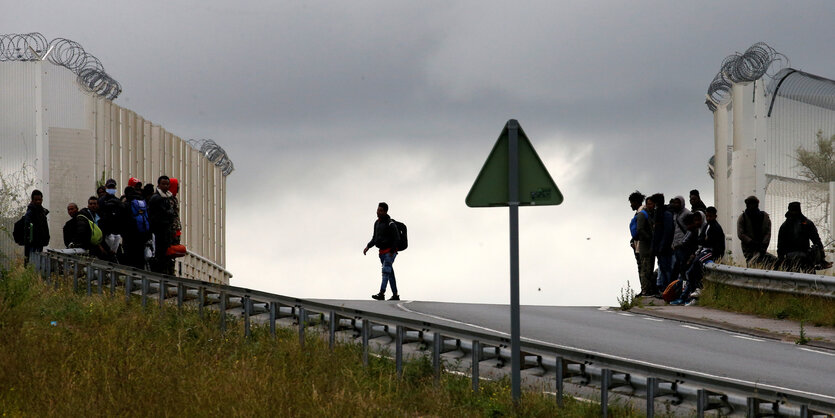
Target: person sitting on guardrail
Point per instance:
(711, 247)
(385, 238)
(793, 250)
(679, 212)
(75, 233)
(753, 228)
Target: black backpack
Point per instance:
(402, 235)
(19, 232)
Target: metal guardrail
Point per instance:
(608, 372)
(772, 280)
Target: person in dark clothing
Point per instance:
(662, 240)
(101, 191)
(711, 248)
(36, 232)
(640, 227)
(137, 231)
(76, 230)
(793, 250)
(161, 217)
(112, 220)
(696, 203)
(385, 238)
(147, 192)
(754, 231)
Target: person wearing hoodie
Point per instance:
(662, 241)
(36, 227)
(137, 231)
(113, 220)
(161, 217)
(679, 212)
(754, 231)
(793, 250)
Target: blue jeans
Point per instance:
(387, 260)
(665, 271)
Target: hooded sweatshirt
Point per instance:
(680, 227)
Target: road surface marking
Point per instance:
(603, 308)
(692, 327)
(626, 314)
(746, 338)
(631, 360)
(816, 351)
(653, 319)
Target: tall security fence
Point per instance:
(774, 128)
(63, 136)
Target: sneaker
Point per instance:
(677, 302)
(378, 296)
(696, 293)
(395, 297)
(692, 302)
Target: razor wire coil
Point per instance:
(750, 65)
(65, 53)
(214, 153)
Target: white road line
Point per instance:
(626, 314)
(603, 308)
(653, 319)
(746, 338)
(634, 361)
(816, 351)
(692, 327)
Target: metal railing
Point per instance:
(772, 280)
(607, 372)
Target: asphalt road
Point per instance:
(695, 348)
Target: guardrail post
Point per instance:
(75, 276)
(701, 402)
(66, 268)
(180, 295)
(804, 411)
(273, 308)
(302, 320)
(652, 385)
(222, 311)
(47, 271)
(560, 377)
(245, 300)
(605, 382)
(436, 355)
(753, 407)
(476, 360)
(331, 329)
(366, 330)
(201, 299)
(100, 280)
(398, 351)
(90, 271)
(145, 285)
(128, 287)
(113, 276)
(161, 292)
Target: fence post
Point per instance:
(701, 402)
(476, 360)
(331, 329)
(90, 271)
(180, 295)
(161, 292)
(559, 380)
(222, 311)
(75, 276)
(366, 329)
(605, 382)
(652, 385)
(100, 279)
(245, 300)
(398, 351)
(273, 309)
(113, 276)
(201, 299)
(145, 285)
(128, 287)
(436, 355)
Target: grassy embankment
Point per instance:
(71, 355)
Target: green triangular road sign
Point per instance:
(536, 187)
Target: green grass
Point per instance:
(66, 354)
(814, 310)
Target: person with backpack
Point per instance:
(662, 241)
(385, 237)
(32, 230)
(113, 220)
(641, 216)
(137, 232)
(161, 217)
(81, 232)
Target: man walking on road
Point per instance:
(385, 238)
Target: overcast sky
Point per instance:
(327, 108)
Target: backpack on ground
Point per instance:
(19, 232)
(402, 235)
(95, 231)
(673, 291)
(139, 212)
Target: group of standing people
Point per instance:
(140, 228)
(680, 240)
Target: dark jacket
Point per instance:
(795, 234)
(713, 237)
(754, 231)
(36, 226)
(644, 232)
(160, 214)
(77, 231)
(113, 215)
(662, 234)
(385, 234)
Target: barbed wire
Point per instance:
(214, 153)
(750, 65)
(64, 52)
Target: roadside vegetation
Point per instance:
(811, 310)
(66, 354)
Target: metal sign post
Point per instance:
(527, 184)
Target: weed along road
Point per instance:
(671, 343)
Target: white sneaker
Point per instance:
(696, 293)
(692, 302)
